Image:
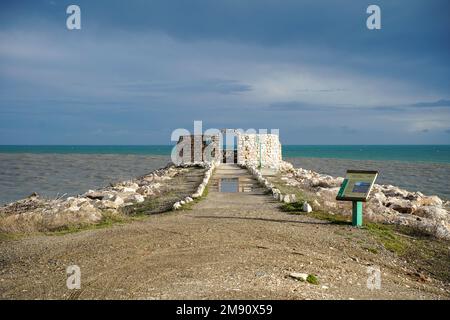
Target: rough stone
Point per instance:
(299, 276)
(431, 212)
(176, 206)
(306, 207)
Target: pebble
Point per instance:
(299, 276)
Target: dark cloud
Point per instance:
(442, 103)
(438, 103)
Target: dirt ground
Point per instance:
(227, 246)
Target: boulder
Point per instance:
(392, 191)
(137, 198)
(326, 182)
(144, 190)
(176, 206)
(73, 208)
(306, 207)
(127, 189)
(107, 204)
(299, 276)
(286, 166)
(378, 198)
(315, 182)
(443, 230)
(94, 195)
(401, 205)
(429, 201)
(434, 213)
(117, 200)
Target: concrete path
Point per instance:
(250, 196)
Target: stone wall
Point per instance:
(197, 148)
(259, 150)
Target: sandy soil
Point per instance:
(228, 246)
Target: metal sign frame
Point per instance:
(341, 194)
(357, 206)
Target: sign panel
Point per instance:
(357, 185)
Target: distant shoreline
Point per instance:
(406, 153)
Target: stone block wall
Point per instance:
(252, 149)
(197, 148)
(259, 150)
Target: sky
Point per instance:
(137, 70)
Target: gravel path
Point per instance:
(229, 246)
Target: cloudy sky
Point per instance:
(139, 69)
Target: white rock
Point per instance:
(306, 207)
(443, 230)
(176, 206)
(127, 189)
(392, 191)
(299, 276)
(401, 205)
(430, 201)
(117, 200)
(108, 196)
(138, 198)
(433, 213)
(144, 190)
(73, 208)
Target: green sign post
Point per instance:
(356, 187)
(357, 213)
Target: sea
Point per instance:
(61, 171)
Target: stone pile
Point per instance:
(42, 214)
(387, 203)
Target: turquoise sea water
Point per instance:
(410, 153)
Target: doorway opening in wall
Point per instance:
(229, 153)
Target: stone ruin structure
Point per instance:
(259, 150)
(252, 149)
